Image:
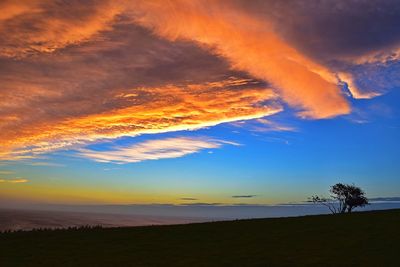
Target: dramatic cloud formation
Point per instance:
(74, 73)
(154, 149)
(250, 45)
(152, 110)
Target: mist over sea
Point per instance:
(62, 216)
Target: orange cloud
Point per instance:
(250, 45)
(32, 26)
(154, 149)
(152, 110)
(11, 9)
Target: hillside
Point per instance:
(359, 239)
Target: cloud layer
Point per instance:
(150, 110)
(74, 73)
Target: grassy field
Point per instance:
(359, 239)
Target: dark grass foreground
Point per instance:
(359, 239)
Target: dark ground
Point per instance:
(359, 239)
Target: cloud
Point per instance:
(263, 125)
(151, 110)
(353, 88)
(244, 196)
(14, 181)
(51, 164)
(250, 45)
(34, 26)
(272, 126)
(174, 147)
(105, 88)
(350, 30)
(188, 198)
(76, 73)
(340, 34)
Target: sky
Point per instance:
(202, 101)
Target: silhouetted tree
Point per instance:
(344, 198)
(327, 202)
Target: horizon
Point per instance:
(218, 103)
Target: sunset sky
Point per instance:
(201, 101)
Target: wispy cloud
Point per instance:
(14, 181)
(188, 198)
(264, 125)
(154, 149)
(272, 126)
(48, 164)
(244, 196)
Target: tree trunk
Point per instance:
(343, 209)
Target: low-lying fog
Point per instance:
(61, 216)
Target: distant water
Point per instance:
(35, 219)
(62, 216)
